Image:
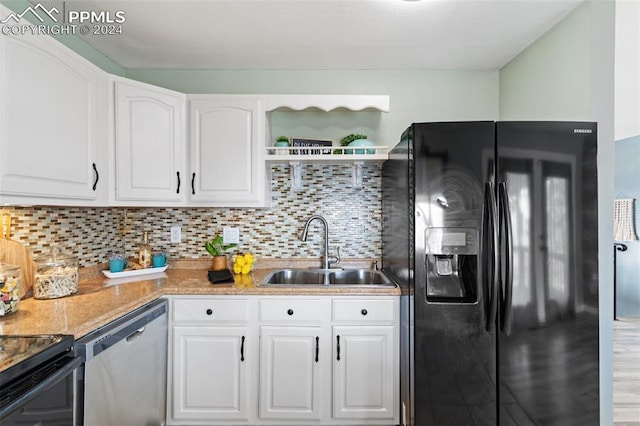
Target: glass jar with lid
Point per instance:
(56, 275)
(9, 288)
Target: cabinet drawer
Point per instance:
(211, 310)
(291, 310)
(364, 310)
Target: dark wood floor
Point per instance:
(626, 372)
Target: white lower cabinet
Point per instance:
(364, 373)
(283, 360)
(211, 374)
(294, 359)
(213, 355)
(291, 373)
(366, 363)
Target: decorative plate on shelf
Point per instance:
(134, 272)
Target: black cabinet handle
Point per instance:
(193, 181)
(178, 188)
(290, 312)
(364, 312)
(338, 347)
(95, 171)
(242, 350)
(317, 347)
(209, 311)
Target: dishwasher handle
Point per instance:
(135, 335)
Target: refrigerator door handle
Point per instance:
(507, 266)
(490, 266)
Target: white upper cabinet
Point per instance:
(226, 155)
(222, 165)
(150, 144)
(53, 124)
(71, 134)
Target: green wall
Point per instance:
(416, 95)
(551, 79)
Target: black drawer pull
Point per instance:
(317, 347)
(209, 311)
(290, 312)
(364, 312)
(242, 350)
(338, 347)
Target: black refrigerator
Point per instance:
(490, 230)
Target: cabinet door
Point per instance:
(227, 162)
(52, 103)
(210, 373)
(364, 384)
(150, 143)
(291, 368)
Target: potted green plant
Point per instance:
(217, 249)
(282, 141)
(356, 139)
(350, 138)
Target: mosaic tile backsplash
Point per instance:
(353, 214)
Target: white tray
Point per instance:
(134, 272)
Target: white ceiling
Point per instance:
(322, 34)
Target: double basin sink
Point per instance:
(324, 277)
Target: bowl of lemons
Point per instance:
(243, 263)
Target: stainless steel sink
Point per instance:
(343, 278)
(358, 277)
(295, 277)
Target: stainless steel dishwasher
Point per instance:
(125, 373)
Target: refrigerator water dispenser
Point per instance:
(452, 265)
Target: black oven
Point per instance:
(37, 379)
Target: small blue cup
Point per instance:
(158, 260)
(118, 265)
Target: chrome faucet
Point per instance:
(325, 259)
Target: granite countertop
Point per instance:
(100, 300)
